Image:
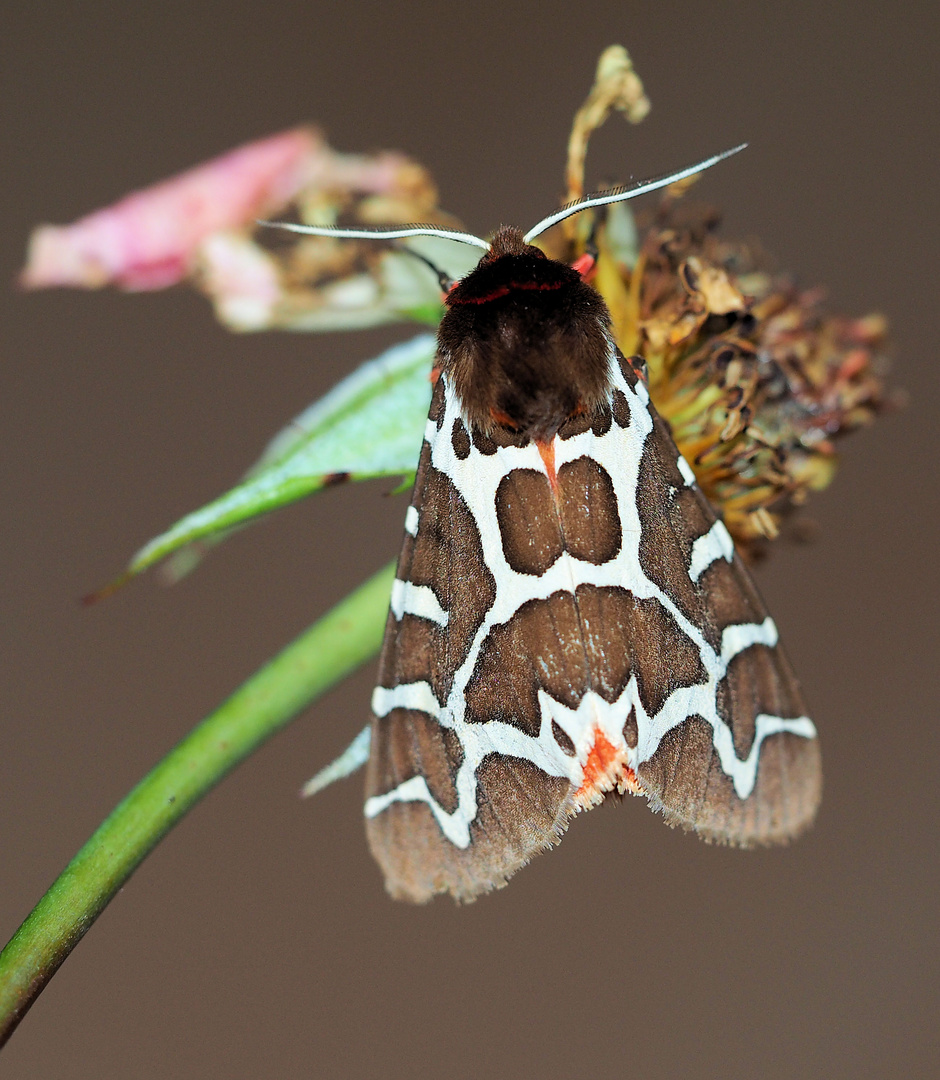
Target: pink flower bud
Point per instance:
(147, 240)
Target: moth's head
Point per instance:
(524, 340)
(509, 265)
(508, 240)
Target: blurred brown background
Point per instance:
(257, 941)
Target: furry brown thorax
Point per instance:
(524, 340)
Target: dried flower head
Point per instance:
(755, 379)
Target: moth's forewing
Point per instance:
(547, 647)
(689, 555)
(519, 809)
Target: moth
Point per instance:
(569, 619)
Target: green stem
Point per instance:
(320, 657)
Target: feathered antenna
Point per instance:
(381, 232)
(626, 191)
(597, 198)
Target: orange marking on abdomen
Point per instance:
(606, 768)
(600, 758)
(547, 454)
(629, 782)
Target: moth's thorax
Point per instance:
(525, 341)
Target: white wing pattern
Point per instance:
(569, 622)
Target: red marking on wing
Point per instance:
(435, 374)
(604, 769)
(601, 757)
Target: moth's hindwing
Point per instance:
(549, 645)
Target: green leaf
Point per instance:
(333, 647)
(370, 425)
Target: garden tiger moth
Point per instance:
(569, 618)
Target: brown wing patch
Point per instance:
(445, 555)
(417, 641)
(436, 411)
(601, 422)
(415, 744)
(671, 517)
(521, 812)
(628, 635)
(732, 595)
(676, 776)
(759, 680)
(484, 444)
(540, 646)
(460, 440)
(575, 425)
(569, 644)
(663, 657)
(621, 409)
(628, 368)
(528, 521)
(528, 516)
(563, 739)
(488, 442)
(684, 780)
(631, 733)
(589, 512)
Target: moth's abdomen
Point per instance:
(570, 619)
